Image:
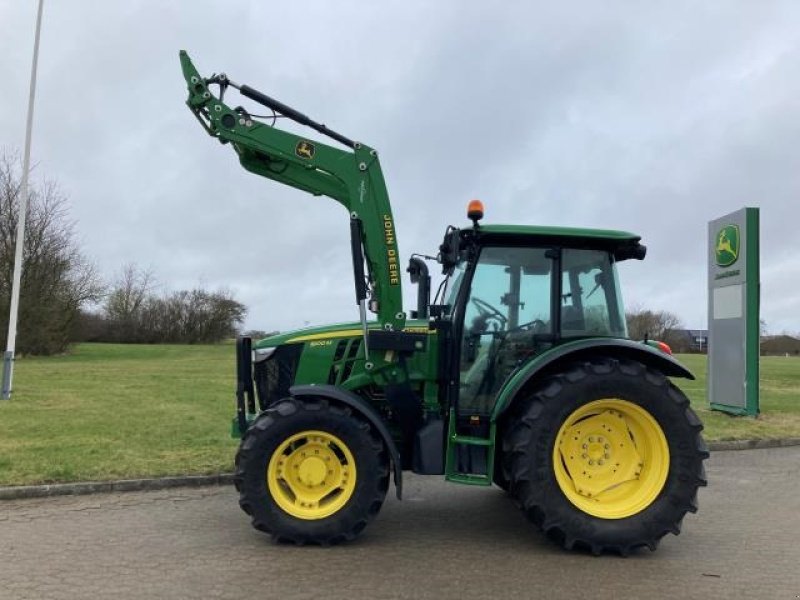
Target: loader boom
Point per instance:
(352, 177)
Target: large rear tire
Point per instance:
(605, 456)
(310, 472)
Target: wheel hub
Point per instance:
(311, 475)
(611, 458)
(312, 471)
(599, 453)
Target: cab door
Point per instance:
(506, 317)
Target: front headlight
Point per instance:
(262, 354)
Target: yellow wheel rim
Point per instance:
(311, 475)
(611, 458)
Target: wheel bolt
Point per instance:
(606, 446)
(606, 455)
(600, 462)
(584, 455)
(591, 438)
(585, 446)
(591, 462)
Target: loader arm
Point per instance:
(352, 177)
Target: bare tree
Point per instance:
(125, 303)
(57, 279)
(132, 313)
(763, 329)
(654, 325)
(193, 317)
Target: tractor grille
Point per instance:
(344, 359)
(273, 377)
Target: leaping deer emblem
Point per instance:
(727, 246)
(304, 150)
(724, 244)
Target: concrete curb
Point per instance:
(124, 485)
(752, 444)
(162, 483)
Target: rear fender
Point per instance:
(363, 408)
(554, 360)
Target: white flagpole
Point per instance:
(8, 359)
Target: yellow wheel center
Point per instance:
(611, 458)
(311, 475)
(312, 471)
(596, 451)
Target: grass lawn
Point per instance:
(780, 401)
(119, 411)
(122, 411)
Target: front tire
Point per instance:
(606, 456)
(311, 472)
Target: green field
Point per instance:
(780, 401)
(121, 411)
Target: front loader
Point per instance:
(518, 373)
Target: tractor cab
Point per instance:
(515, 293)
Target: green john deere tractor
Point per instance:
(519, 372)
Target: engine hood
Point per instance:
(329, 332)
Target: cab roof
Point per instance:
(623, 244)
(609, 235)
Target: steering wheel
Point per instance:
(531, 326)
(487, 310)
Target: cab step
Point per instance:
(472, 440)
(470, 478)
(453, 471)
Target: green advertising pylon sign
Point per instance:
(733, 312)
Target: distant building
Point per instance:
(780, 345)
(688, 340)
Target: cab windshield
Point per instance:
(454, 283)
(520, 303)
(518, 283)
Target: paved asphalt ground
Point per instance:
(442, 541)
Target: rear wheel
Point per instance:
(606, 455)
(311, 472)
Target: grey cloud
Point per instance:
(649, 118)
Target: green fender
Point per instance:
(552, 360)
(348, 398)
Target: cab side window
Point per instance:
(507, 307)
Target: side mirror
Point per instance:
(418, 271)
(636, 250)
(449, 250)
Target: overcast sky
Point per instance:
(648, 117)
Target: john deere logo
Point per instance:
(726, 249)
(304, 149)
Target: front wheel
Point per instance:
(311, 472)
(606, 455)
